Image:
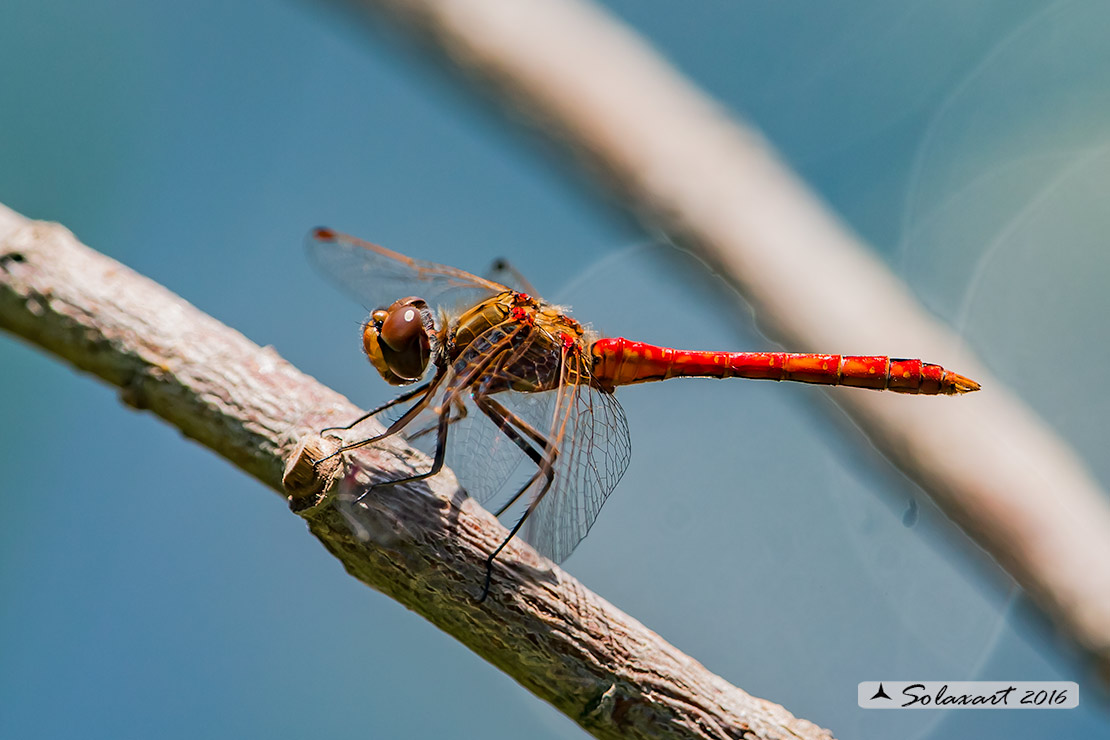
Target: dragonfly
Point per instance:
(509, 378)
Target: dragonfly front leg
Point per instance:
(387, 405)
(437, 460)
(405, 419)
(509, 424)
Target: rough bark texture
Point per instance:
(427, 543)
(716, 187)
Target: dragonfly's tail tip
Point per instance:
(958, 385)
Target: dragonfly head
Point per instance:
(398, 340)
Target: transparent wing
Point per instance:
(485, 460)
(492, 465)
(377, 276)
(590, 431)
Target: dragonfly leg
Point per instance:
(437, 460)
(429, 390)
(545, 471)
(389, 404)
(460, 408)
(509, 424)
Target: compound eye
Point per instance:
(402, 326)
(397, 341)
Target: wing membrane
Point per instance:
(377, 276)
(594, 449)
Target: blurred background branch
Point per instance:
(603, 669)
(714, 186)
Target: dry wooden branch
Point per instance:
(602, 668)
(716, 188)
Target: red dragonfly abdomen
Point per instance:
(620, 361)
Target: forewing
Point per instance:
(377, 276)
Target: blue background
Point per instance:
(150, 589)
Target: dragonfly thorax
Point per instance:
(398, 340)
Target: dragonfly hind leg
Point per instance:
(512, 427)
